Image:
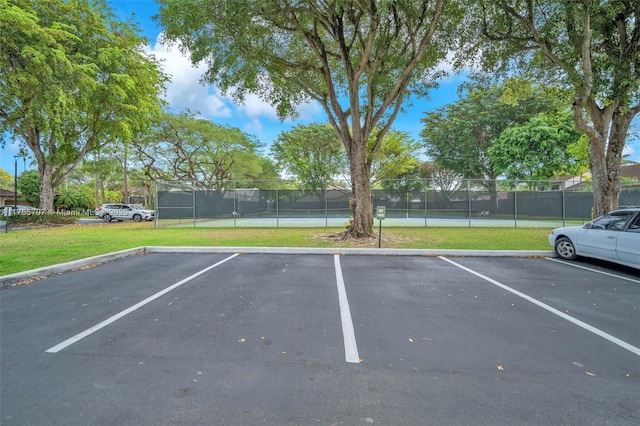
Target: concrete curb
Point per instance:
(46, 271)
(40, 273)
(353, 251)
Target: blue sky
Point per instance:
(254, 116)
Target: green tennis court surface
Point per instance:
(342, 221)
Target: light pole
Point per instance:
(15, 184)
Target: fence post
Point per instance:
(157, 215)
(515, 203)
(235, 205)
(563, 206)
(193, 202)
(469, 202)
(277, 206)
(425, 202)
(326, 206)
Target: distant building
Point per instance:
(631, 171)
(578, 183)
(6, 198)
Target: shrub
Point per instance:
(29, 187)
(41, 218)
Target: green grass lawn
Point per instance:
(26, 249)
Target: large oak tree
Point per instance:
(360, 60)
(458, 136)
(538, 149)
(590, 46)
(310, 153)
(187, 148)
(72, 77)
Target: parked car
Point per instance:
(614, 237)
(120, 212)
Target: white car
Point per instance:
(614, 237)
(120, 212)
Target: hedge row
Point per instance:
(40, 218)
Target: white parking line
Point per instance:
(348, 334)
(89, 331)
(622, 277)
(569, 318)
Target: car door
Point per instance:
(126, 211)
(628, 242)
(600, 238)
(111, 210)
(118, 211)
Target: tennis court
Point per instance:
(340, 221)
(303, 337)
(417, 203)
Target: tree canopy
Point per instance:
(589, 46)
(6, 180)
(458, 136)
(536, 150)
(396, 158)
(184, 147)
(312, 153)
(72, 78)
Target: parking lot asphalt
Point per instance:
(242, 338)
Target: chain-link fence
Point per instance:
(481, 203)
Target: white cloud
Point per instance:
(184, 90)
(254, 107)
(253, 127)
(311, 112)
(447, 64)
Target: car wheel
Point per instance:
(565, 249)
(137, 218)
(107, 217)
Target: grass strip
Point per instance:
(21, 250)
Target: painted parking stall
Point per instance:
(76, 338)
(473, 339)
(40, 315)
(606, 300)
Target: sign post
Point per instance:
(380, 214)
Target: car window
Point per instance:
(613, 222)
(635, 225)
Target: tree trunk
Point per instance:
(607, 138)
(95, 193)
(601, 186)
(126, 182)
(46, 186)
(361, 206)
(103, 196)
